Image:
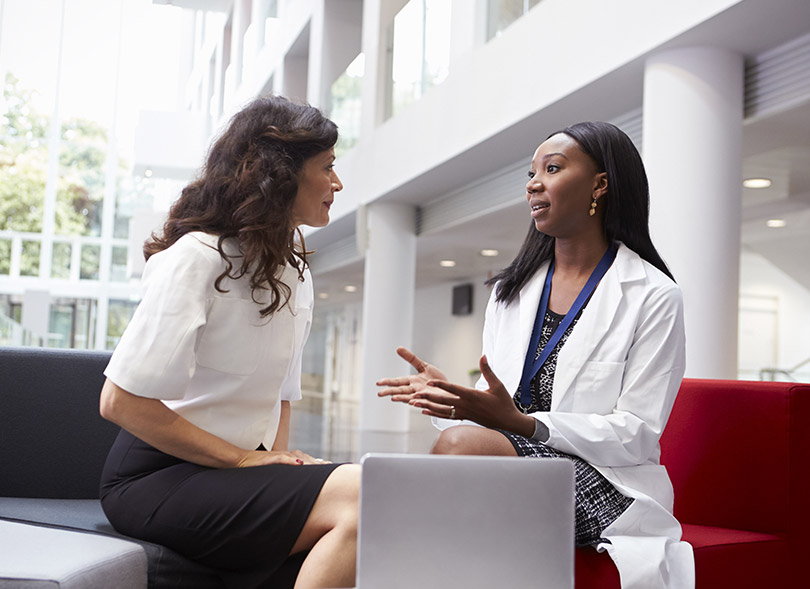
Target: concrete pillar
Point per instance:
(36, 313)
(692, 133)
(388, 300)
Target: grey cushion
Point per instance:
(34, 556)
(166, 568)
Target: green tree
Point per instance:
(24, 166)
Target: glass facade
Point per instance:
(420, 51)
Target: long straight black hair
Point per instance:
(626, 207)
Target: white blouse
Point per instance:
(209, 355)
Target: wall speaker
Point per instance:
(462, 299)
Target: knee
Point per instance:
(346, 489)
(458, 439)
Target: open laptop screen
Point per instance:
(465, 521)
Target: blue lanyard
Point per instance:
(530, 365)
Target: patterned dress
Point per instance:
(597, 502)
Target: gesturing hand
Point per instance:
(403, 388)
(493, 407)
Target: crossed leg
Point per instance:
(472, 440)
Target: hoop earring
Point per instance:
(592, 212)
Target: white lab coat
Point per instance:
(615, 383)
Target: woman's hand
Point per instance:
(261, 457)
(403, 389)
(493, 407)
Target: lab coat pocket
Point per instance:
(230, 340)
(597, 387)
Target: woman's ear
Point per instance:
(600, 185)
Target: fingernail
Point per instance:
(299, 461)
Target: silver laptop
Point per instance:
(441, 522)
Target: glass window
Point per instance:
(60, 260)
(118, 264)
(29, 258)
(86, 116)
(91, 260)
(502, 13)
(23, 158)
(346, 104)
(120, 312)
(71, 323)
(80, 192)
(420, 50)
(5, 256)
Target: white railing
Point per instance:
(14, 334)
(18, 241)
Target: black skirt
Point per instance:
(243, 521)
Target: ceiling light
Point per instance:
(489, 253)
(447, 263)
(148, 173)
(323, 295)
(776, 223)
(757, 182)
(350, 288)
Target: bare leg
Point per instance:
(472, 440)
(330, 532)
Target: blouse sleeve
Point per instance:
(156, 355)
(303, 306)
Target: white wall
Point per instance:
(450, 342)
(761, 279)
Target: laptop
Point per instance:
(441, 522)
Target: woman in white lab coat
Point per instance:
(202, 380)
(583, 354)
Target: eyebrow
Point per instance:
(550, 155)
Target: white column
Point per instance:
(693, 114)
(388, 299)
(317, 49)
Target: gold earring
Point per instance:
(592, 212)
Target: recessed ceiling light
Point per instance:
(350, 288)
(776, 223)
(447, 263)
(323, 295)
(489, 253)
(757, 182)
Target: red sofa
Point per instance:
(738, 454)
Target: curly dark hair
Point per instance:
(246, 191)
(626, 207)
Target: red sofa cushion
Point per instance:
(723, 558)
(738, 454)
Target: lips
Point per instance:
(538, 207)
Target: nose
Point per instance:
(533, 185)
(337, 185)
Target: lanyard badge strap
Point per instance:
(531, 365)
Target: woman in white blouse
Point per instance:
(202, 380)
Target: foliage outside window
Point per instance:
(60, 260)
(90, 262)
(5, 257)
(502, 13)
(420, 50)
(24, 168)
(29, 259)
